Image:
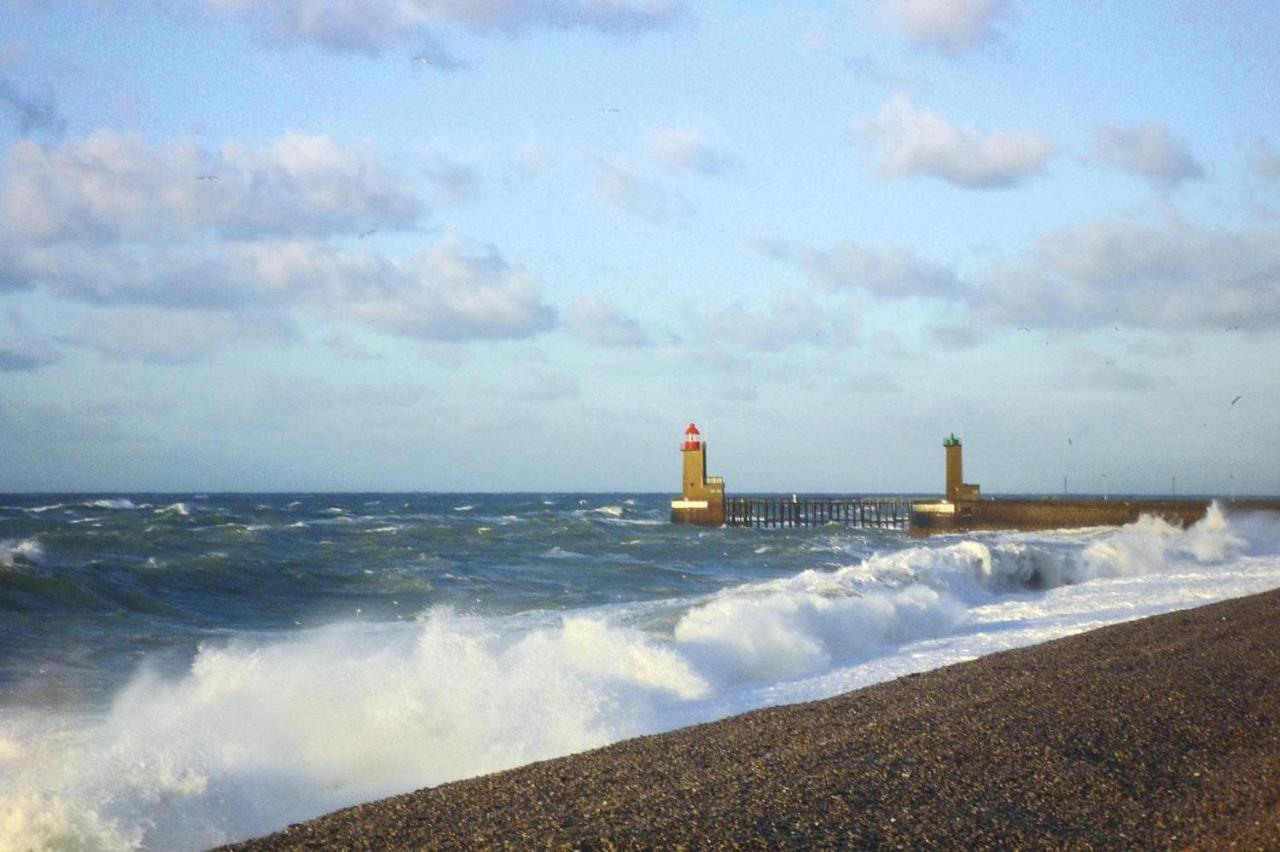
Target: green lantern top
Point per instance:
(953, 441)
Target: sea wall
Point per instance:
(1014, 514)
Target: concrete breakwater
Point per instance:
(703, 502)
(1031, 514)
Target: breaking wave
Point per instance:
(16, 552)
(259, 732)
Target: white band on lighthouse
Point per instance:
(688, 504)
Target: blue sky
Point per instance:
(501, 245)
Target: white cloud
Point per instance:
(1264, 161)
(114, 186)
(455, 182)
(368, 26)
(956, 337)
(592, 321)
(446, 295)
(1149, 151)
(1174, 277)
(24, 353)
(111, 220)
(890, 272)
(915, 141)
(624, 186)
(790, 319)
(1090, 370)
(154, 336)
(687, 149)
(953, 25)
(28, 112)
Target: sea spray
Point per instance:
(508, 652)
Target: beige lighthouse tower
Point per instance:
(702, 497)
(957, 489)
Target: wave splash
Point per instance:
(258, 733)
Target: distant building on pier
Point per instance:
(701, 500)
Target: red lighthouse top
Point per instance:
(692, 438)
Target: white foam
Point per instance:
(261, 733)
(175, 509)
(117, 503)
(15, 551)
(466, 508)
(611, 511)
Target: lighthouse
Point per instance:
(701, 499)
(957, 489)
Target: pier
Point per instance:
(807, 511)
(703, 502)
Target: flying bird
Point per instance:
(368, 233)
(607, 110)
(207, 177)
(1023, 328)
(1234, 401)
(1233, 328)
(1069, 444)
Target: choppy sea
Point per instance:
(178, 671)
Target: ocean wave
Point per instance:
(181, 509)
(260, 731)
(17, 552)
(115, 503)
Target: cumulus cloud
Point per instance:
(592, 321)
(1173, 277)
(890, 272)
(687, 149)
(447, 295)
(29, 113)
(369, 26)
(112, 186)
(953, 25)
(620, 183)
(915, 141)
(790, 319)
(1091, 370)
(1264, 161)
(955, 337)
(113, 221)
(455, 182)
(153, 336)
(1149, 151)
(25, 353)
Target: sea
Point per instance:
(180, 671)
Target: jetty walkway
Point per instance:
(889, 512)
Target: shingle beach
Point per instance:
(1163, 732)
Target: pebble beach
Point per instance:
(1160, 732)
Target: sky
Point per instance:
(493, 245)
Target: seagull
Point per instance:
(368, 233)
(1233, 328)
(1023, 328)
(607, 110)
(207, 177)
(1069, 444)
(1234, 401)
